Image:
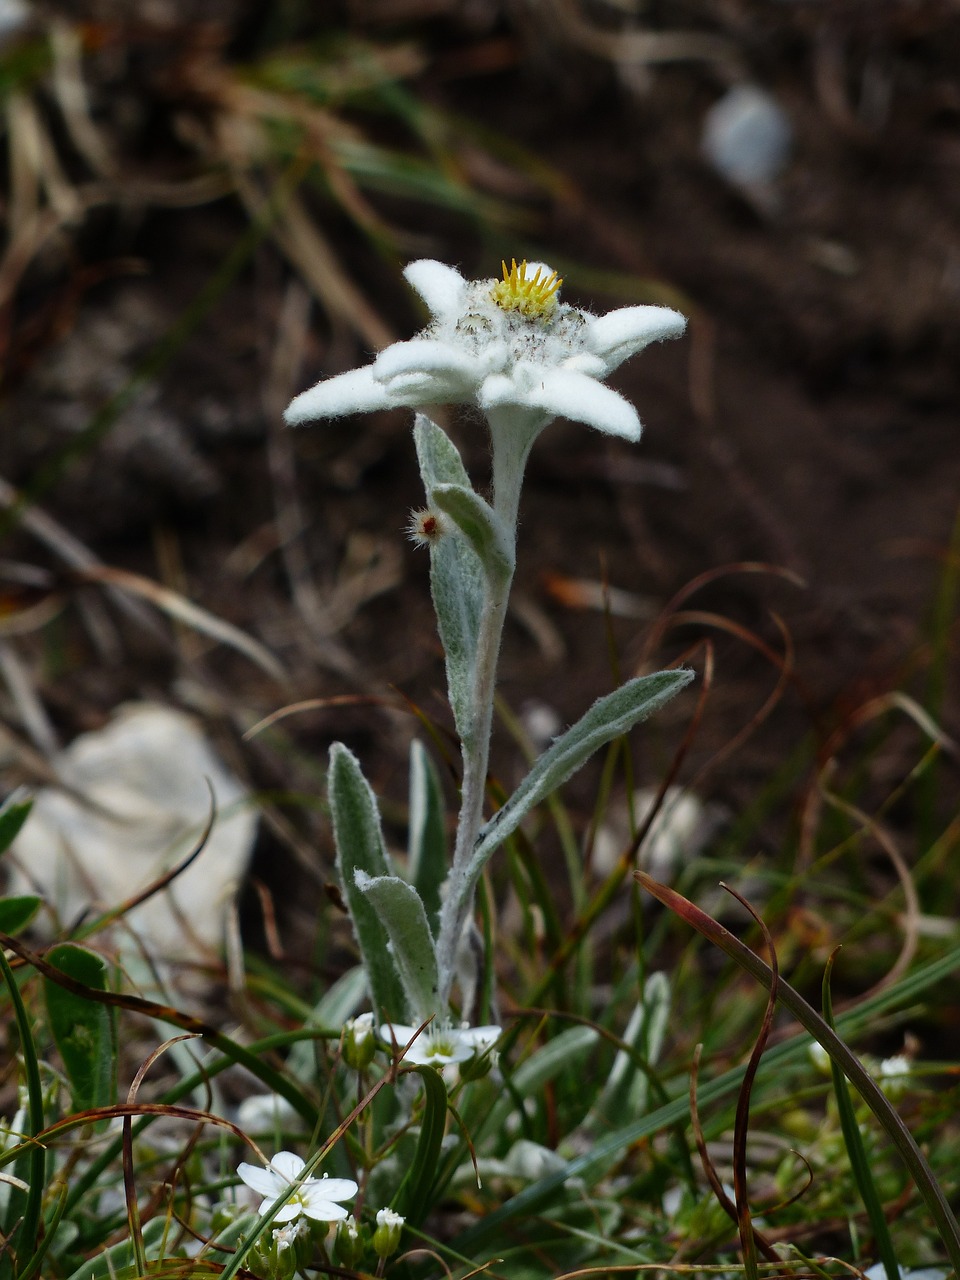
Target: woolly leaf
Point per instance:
(480, 525)
(359, 841)
(401, 913)
(609, 717)
(456, 576)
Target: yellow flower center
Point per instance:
(441, 1046)
(535, 297)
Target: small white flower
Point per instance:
(895, 1068)
(314, 1198)
(893, 1075)
(501, 345)
(439, 1046)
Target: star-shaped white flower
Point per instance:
(313, 1198)
(501, 345)
(439, 1046)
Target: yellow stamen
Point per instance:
(535, 298)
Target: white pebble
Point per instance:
(747, 136)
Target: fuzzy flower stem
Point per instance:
(513, 432)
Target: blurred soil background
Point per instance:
(207, 207)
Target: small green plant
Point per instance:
(513, 350)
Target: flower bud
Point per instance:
(478, 1066)
(359, 1042)
(386, 1238)
(275, 1255)
(348, 1245)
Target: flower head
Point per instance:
(425, 528)
(314, 1198)
(439, 1046)
(532, 295)
(505, 344)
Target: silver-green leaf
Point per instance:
(609, 717)
(456, 576)
(360, 848)
(402, 915)
(439, 458)
(481, 526)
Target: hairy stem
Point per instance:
(512, 432)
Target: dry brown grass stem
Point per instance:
(638, 47)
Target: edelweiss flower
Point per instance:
(314, 1198)
(501, 345)
(439, 1046)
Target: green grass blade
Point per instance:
(25, 1238)
(859, 1163)
(840, 1054)
(413, 1199)
(49, 1231)
(533, 1199)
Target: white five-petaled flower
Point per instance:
(439, 1046)
(313, 1198)
(501, 345)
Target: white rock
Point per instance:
(265, 1113)
(879, 1272)
(14, 14)
(747, 136)
(529, 1161)
(680, 832)
(143, 778)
